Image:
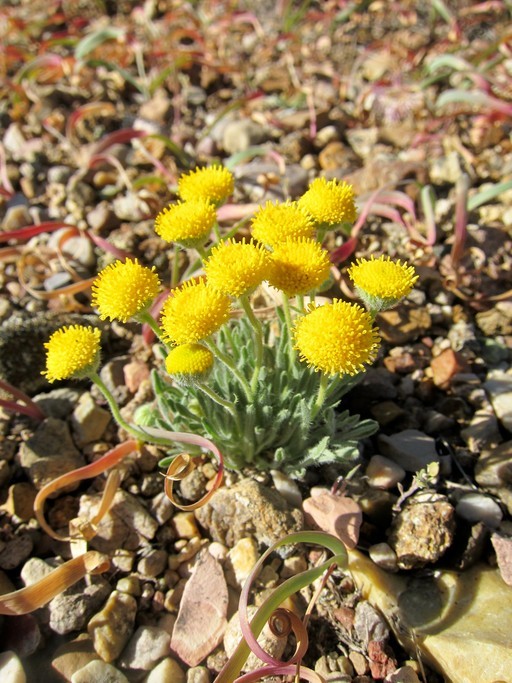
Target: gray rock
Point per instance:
(49, 452)
(89, 420)
(482, 431)
(98, 672)
(71, 610)
(58, 403)
(16, 551)
(153, 564)
(241, 134)
(125, 525)
(493, 471)
(411, 449)
(476, 507)
(499, 387)
(248, 509)
(101, 218)
(111, 628)
(369, 623)
(146, 648)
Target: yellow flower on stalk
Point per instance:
(187, 223)
(236, 268)
(214, 183)
(189, 362)
(337, 338)
(329, 202)
(298, 266)
(381, 283)
(193, 312)
(72, 351)
(275, 222)
(123, 290)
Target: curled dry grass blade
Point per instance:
(38, 594)
(107, 461)
(292, 585)
(182, 464)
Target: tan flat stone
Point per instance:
(460, 622)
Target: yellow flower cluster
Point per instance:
(187, 223)
(123, 290)
(214, 183)
(193, 312)
(382, 279)
(329, 202)
(72, 351)
(275, 222)
(298, 266)
(193, 360)
(337, 338)
(237, 268)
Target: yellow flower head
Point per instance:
(214, 183)
(187, 223)
(381, 283)
(72, 351)
(193, 312)
(236, 268)
(122, 290)
(276, 222)
(189, 362)
(329, 202)
(336, 338)
(298, 266)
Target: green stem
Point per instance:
(321, 396)
(138, 434)
(228, 362)
(289, 326)
(258, 339)
(175, 268)
(201, 251)
(146, 317)
(229, 405)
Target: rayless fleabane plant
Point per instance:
(264, 389)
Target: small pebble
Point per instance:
(111, 628)
(384, 556)
(383, 473)
(11, 668)
(198, 674)
(168, 671)
(98, 672)
(287, 487)
(241, 559)
(184, 524)
(476, 507)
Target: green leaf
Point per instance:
(97, 38)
